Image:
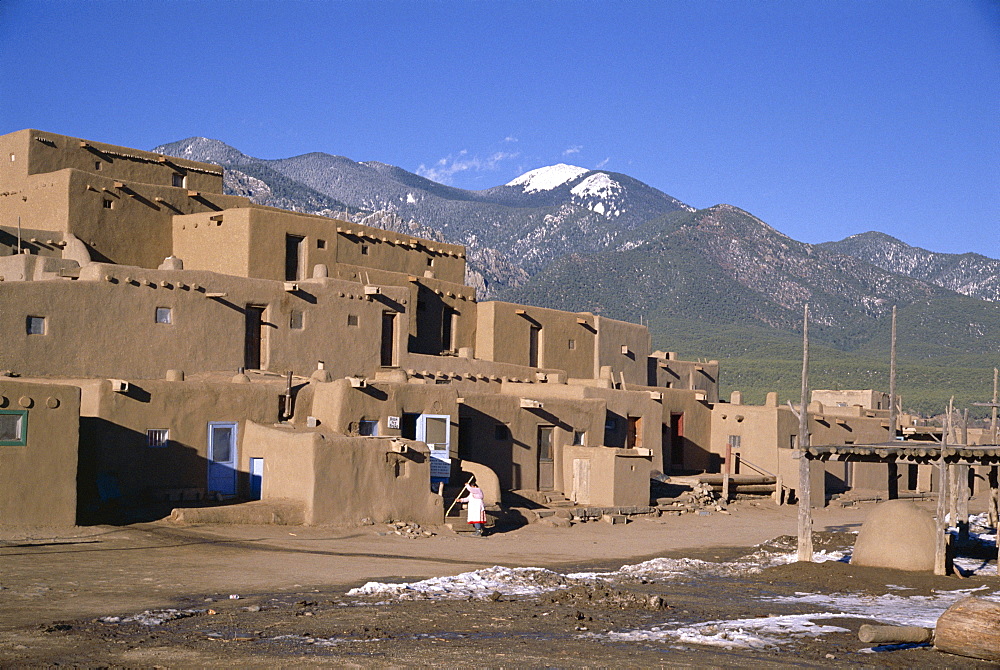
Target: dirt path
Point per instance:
(59, 588)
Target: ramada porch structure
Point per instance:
(952, 463)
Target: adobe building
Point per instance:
(293, 368)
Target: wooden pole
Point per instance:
(892, 467)
(993, 421)
(941, 537)
(805, 543)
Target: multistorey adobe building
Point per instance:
(164, 341)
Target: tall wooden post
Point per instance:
(892, 467)
(805, 544)
(993, 422)
(941, 538)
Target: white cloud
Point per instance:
(575, 149)
(510, 138)
(445, 168)
(603, 163)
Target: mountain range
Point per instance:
(715, 282)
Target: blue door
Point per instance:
(222, 457)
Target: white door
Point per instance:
(435, 431)
(222, 457)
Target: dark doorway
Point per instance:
(254, 338)
(294, 258)
(388, 352)
(677, 441)
(534, 345)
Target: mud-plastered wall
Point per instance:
(39, 433)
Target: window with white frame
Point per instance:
(164, 315)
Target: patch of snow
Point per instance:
(152, 617)
(547, 178)
(477, 583)
(598, 185)
(889, 608)
(410, 199)
(755, 633)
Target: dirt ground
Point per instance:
(67, 596)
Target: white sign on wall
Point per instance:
(393, 422)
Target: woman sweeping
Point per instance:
(476, 514)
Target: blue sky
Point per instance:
(823, 118)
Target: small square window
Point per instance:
(579, 438)
(13, 427)
(164, 315)
(364, 249)
(321, 244)
(352, 319)
(12, 158)
(501, 432)
(572, 344)
(295, 320)
(430, 262)
(109, 203)
(368, 428)
(97, 165)
(35, 325)
(179, 180)
(157, 437)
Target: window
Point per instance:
(35, 325)
(295, 320)
(179, 180)
(734, 442)
(321, 244)
(364, 249)
(501, 433)
(97, 165)
(109, 203)
(163, 315)
(430, 262)
(368, 428)
(579, 438)
(12, 157)
(352, 319)
(13, 427)
(157, 437)
(572, 344)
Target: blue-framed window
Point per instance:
(13, 427)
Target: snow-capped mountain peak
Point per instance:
(547, 178)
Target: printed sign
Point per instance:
(392, 422)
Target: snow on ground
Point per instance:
(899, 610)
(152, 617)
(478, 583)
(755, 633)
(533, 581)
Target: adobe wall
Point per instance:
(607, 477)
(667, 371)
(128, 223)
(623, 346)
(38, 466)
(50, 152)
(342, 480)
(104, 324)
(567, 340)
(113, 440)
(14, 160)
(499, 433)
(341, 407)
(384, 249)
